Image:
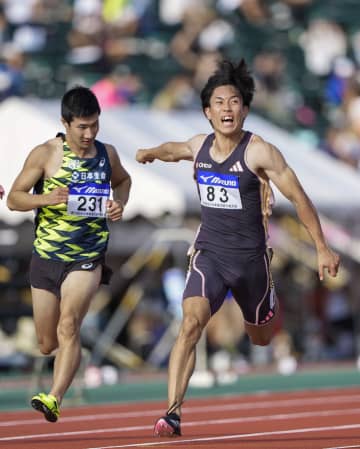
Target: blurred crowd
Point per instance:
(305, 56)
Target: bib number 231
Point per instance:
(88, 199)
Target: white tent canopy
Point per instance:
(24, 125)
(329, 182)
(166, 187)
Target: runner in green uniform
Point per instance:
(75, 183)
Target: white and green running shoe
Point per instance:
(46, 404)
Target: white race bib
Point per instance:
(219, 190)
(88, 199)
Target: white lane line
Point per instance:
(241, 420)
(341, 399)
(233, 437)
(342, 447)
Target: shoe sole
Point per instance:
(163, 429)
(40, 407)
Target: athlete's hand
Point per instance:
(330, 260)
(114, 209)
(144, 156)
(2, 192)
(57, 196)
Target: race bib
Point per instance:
(219, 190)
(88, 199)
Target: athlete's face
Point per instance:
(81, 131)
(226, 111)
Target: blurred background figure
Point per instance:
(119, 88)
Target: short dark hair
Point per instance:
(228, 73)
(79, 101)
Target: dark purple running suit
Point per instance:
(230, 251)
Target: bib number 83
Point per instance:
(223, 197)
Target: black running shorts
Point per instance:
(248, 278)
(48, 274)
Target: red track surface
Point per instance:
(326, 419)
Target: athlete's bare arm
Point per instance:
(120, 184)
(266, 160)
(2, 192)
(36, 166)
(172, 151)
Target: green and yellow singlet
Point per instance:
(77, 230)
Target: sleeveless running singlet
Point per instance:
(233, 202)
(77, 230)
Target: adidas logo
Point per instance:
(237, 167)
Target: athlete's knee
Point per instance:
(47, 346)
(68, 328)
(191, 329)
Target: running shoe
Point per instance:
(46, 404)
(168, 426)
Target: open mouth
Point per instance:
(227, 119)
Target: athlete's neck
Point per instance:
(81, 151)
(222, 145)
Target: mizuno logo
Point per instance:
(223, 182)
(205, 178)
(219, 179)
(79, 189)
(90, 189)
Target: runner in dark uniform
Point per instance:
(230, 247)
(233, 168)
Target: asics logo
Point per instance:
(87, 266)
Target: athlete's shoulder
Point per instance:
(258, 145)
(261, 154)
(196, 142)
(257, 141)
(46, 149)
(108, 147)
(113, 156)
(110, 150)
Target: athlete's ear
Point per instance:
(207, 112)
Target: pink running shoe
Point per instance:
(168, 426)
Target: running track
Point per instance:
(317, 419)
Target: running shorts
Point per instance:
(48, 274)
(247, 277)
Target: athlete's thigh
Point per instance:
(77, 290)
(205, 280)
(46, 310)
(198, 308)
(254, 290)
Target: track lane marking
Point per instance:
(236, 436)
(342, 447)
(242, 420)
(196, 409)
